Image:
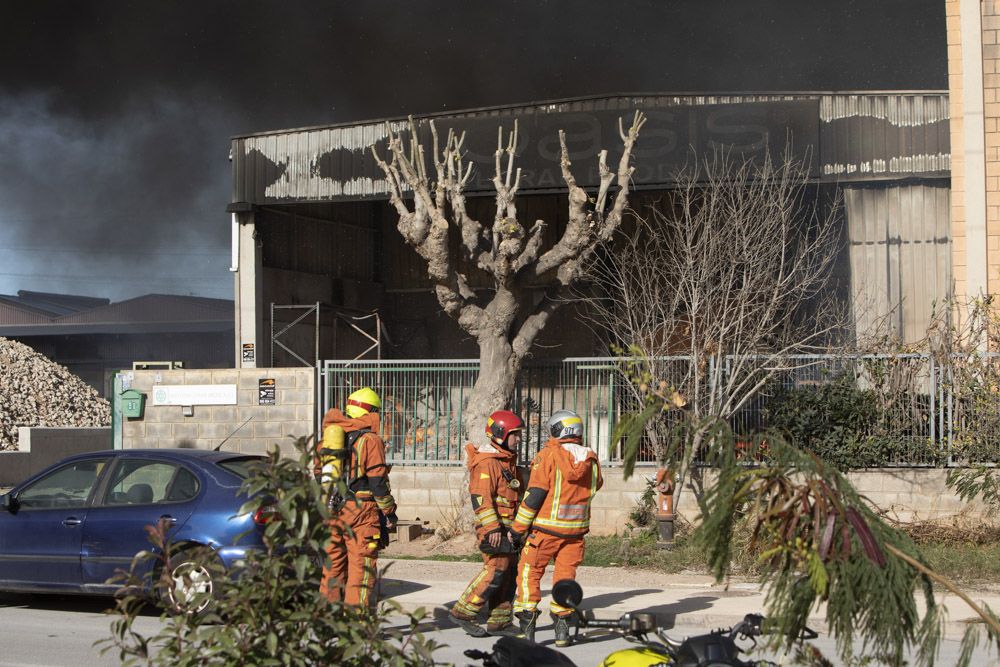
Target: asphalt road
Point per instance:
(59, 631)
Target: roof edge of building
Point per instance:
(806, 94)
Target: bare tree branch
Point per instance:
(425, 227)
(534, 324)
(587, 228)
(728, 271)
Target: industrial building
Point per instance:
(95, 338)
(322, 273)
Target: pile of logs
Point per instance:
(35, 391)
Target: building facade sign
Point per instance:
(194, 394)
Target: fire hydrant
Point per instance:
(665, 507)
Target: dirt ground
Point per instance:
(429, 546)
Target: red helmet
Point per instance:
(502, 423)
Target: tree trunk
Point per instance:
(494, 388)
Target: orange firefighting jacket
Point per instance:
(494, 502)
(368, 473)
(564, 480)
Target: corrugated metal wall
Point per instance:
(868, 137)
(860, 137)
(297, 239)
(900, 247)
(13, 315)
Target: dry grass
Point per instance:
(958, 529)
(455, 519)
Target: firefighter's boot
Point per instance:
(500, 621)
(562, 631)
(470, 626)
(527, 621)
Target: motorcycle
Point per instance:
(713, 649)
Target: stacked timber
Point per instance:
(35, 391)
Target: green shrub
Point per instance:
(272, 613)
(847, 427)
(643, 515)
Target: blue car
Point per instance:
(71, 527)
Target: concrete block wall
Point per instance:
(292, 414)
(906, 494)
(40, 447)
(914, 494)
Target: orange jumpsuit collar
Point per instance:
(474, 456)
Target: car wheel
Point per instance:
(190, 586)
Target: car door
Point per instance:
(139, 492)
(40, 539)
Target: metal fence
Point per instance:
(422, 401)
(915, 417)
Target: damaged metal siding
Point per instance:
(870, 137)
(864, 136)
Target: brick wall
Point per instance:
(908, 494)
(962, 207)
(991, 100)
(166, 426)
(957, 146)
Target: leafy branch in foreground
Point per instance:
(820, 542)
(271, 612)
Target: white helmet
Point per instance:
(565, 424)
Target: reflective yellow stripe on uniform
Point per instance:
(554, 514)
(524, 599)
(486, 517)
(556, 523)
(593, 487)
(467, 602)
(525, 515)
(369, 571)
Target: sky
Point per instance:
(116, 117)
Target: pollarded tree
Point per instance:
(432, 207)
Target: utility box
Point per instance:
(133, 402)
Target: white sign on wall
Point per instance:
(194, 394)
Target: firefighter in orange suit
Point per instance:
(494, 487)
(553, 518)
(352, 568)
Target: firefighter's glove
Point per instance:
(391, 520)
(517, 540)
(494, 539)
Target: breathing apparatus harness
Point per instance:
(335, 456)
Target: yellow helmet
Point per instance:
(637, 657)
(361, 402)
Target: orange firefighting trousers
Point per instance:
(540, 550)
(352, 569)
(493, 587)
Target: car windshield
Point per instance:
(241, 467)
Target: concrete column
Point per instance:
(249, 295)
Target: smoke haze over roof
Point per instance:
(115, 117)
